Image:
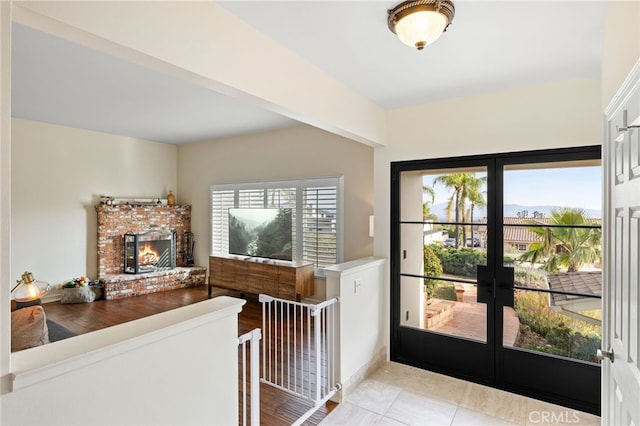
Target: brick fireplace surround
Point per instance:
(116, 220)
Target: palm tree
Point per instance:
(565, 246)
(454, 181)
(426, 210)
(466, 186)
(476, 198)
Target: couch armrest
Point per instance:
(28, 328)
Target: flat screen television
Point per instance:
(260, 232)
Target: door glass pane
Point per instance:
(552, 237)
(545, 327)
(443, 236)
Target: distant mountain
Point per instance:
(510, 210)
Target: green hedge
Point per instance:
(565, 336)
(461, 262)
(432, 268)
(528, 278)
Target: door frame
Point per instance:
(452, 357)
(620, 376)
(576, 377)
(493, 365)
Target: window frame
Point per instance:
(520, 247)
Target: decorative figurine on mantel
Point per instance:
(106, 199)
(171, 199)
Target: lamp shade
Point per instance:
(420, 28)
(418, 23)
(29, 289)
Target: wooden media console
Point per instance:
(277, 278)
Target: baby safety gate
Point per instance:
(299, 349)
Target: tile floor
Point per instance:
(397, 394)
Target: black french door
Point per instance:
(484, 284)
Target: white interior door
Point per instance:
(621, 372)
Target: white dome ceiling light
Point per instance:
(418, 23)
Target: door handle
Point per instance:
(486, 284)
(600, 354)
(499, 287)
(504, 285)
(626, 126)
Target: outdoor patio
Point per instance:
(468, 318)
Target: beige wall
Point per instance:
(554, 115)
(292, 153)
(621, 45)
(537, 117)
(58, 174)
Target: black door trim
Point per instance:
(580, 393)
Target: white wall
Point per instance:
(554, 115)
(58, 174)
(5, 192)
(175, 368)
(361, 341)
(292, 153)
(412, 249)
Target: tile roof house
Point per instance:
(518, 237)
(583, 284)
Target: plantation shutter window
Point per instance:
(221, 201)
(316, 214)
(319, 225)
(249, 198)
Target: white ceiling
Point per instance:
(491, 45)
(59, 82)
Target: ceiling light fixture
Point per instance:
(418, 23)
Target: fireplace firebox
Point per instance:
(151, 251)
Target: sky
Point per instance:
(565, 187)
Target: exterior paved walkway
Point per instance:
(470, 320)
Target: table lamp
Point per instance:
(28, 289)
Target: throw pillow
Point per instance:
(28, 328)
